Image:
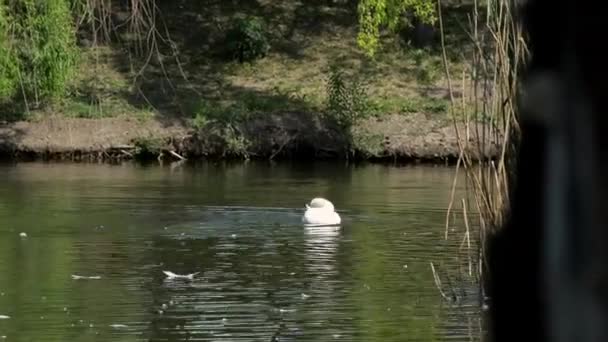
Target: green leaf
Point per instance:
(374, 15)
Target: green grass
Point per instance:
(76, 108)
(306, 38)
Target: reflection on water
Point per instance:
(320, 249)
(261, 274)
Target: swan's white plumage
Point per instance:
(320, 212)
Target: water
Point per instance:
(262, 274)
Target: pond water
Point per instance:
(262, 275)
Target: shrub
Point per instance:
(346, 103)
(148, 146)
(46, 46)
(219, 128)
(9, 65)
(248, 39)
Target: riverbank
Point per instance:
(297, 135)
(178, 93)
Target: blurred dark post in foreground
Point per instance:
(549, 265)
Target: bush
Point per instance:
(248, 39)
(219, 128)
(345, 103)
(45, 46)
(9, 65)
(147, 146)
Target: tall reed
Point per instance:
(9, 64)
(485, 117)
(38, 50)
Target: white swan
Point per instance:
(320, 212)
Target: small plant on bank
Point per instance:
(429, 68)
(147, 146)
(248, 39)
(219, 126)
(346, 103)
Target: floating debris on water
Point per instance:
(74, 276)
(119, 326)
(172, 275)
(4, 317)
(304, 296)
(23, 234)
(164, 306)
(233, 236)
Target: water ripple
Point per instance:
(262, 275)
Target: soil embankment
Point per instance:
(293, 136)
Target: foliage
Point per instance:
(236, 144)
(248, 39)
(346, 103)
(376, 14)
(368, 144)
(207, 111)
(428, 69)
(148, 146)
(220, 127)
(9, 67)
(45, 44)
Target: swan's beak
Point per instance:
(307, 207)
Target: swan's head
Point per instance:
(320, 203)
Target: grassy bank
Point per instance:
(176, 86)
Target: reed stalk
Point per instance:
(485, 117)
